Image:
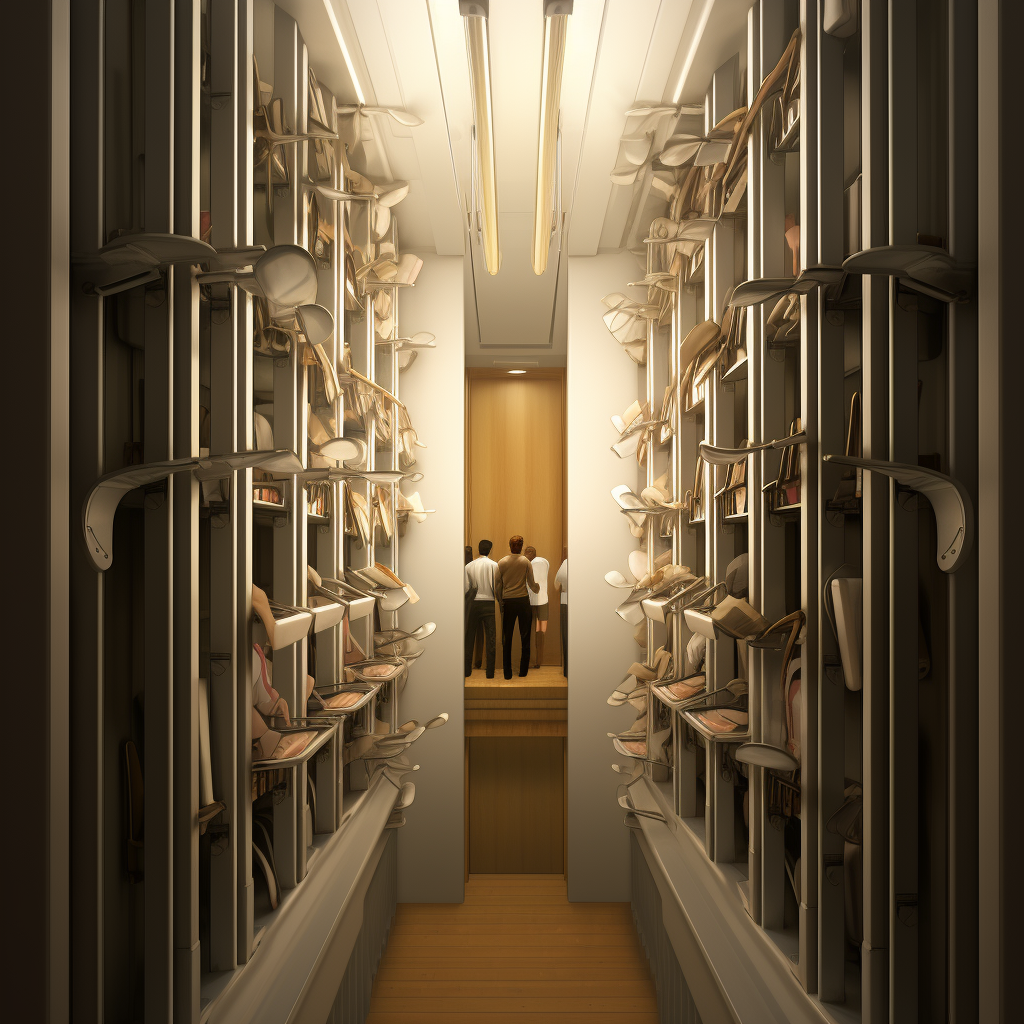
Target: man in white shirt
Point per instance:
(479, 574)
(562, 586)
(539, 602)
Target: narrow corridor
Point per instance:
(516, 952)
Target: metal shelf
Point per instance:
(192, 561)
(870, 736)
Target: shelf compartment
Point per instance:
(326, 731)
(291, 628)
(326, 613)
(694, 721)
(364, 695)
(738, 371)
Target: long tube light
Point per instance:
(556, 14)
(475, 15)
(344, 53)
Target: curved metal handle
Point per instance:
(954, 512)
(105, 495)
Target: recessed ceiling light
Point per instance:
(517, 371)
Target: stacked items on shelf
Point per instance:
(286, 502)
(342, 386)
(748, 393)
(710, 707)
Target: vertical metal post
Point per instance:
(1000, 540)
(222, 692)
(720, 278)
(650, 522)
(875, 517)
(242, 529)
(768, 208)
(289, 539)
(810, 499)
(755, 507)
(687, 437)
(363, 358)
(289, 373)
(330, 293)
(825, 246)
(185, 583)
(963, 715)
(395, 385)
(59, 523)
(89, 787)
(230, 540)
(903, 530)
(158, 766)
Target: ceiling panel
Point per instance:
(625, 38)
(581, 47)
(618, 53)
(513, 308)
(721, 32)
(408, 30)
(326, 42)
(394, 38)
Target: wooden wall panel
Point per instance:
(516, 805)
(515, 472)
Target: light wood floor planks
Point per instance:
(516, 952)
(546, 675)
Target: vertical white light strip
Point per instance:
(474, 14)
(344, 52)
(691, 56)
(555, 26)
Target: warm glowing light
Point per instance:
(478, 48)
(517, 371)
(691, 55)
(344, 53)
(547, 142)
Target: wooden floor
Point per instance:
(546, 675)
(516, 952)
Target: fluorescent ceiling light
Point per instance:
(517, 371)
(556, 13)
(344, 52)
(474, 14)
(691, 56)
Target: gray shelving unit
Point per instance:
(167, 920)
(880, 156)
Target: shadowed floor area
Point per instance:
(516, 952)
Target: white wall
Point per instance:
(431, 845)
(601, 381)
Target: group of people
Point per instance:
(519, 584)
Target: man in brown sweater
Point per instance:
(514, 575)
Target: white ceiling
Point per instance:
(412, 54)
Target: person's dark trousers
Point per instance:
(564, 622)
(481, 616)
(516, 609)
(478, 645)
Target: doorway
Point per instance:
(515, 471)
(516, 730)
